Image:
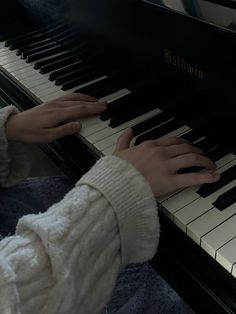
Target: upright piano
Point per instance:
(163, 71)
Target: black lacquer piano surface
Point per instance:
(163, 72)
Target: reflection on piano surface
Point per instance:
(179, 82)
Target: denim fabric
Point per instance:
(30, 196)
(141, 290)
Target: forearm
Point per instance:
(15, 157)
(81, 243)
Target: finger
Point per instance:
(76, 97)
(191, 160)
(182, 149)
(199, 178)
(83, 109)
(124, 140)
(62, 130)
(170, 140)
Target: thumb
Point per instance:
(124, 140)
(66, 129)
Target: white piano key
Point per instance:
(9, 59)
(26, 69)
(165, 197)
(109, 150)
(116, 95)
(212, 218)
(46, 91)
(219, 236)
(190, 212)
(226, 256)
(44, 86)
(101, 78)
(33, 80)
(18, 65)
(4, 51)
(36, 80)
(234, 269)
(178, 132)
(189, 195)
(51, 95)
(96, 137)
(107, 140)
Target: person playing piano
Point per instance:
(67, 259)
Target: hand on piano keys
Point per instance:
(160, 160)
(53, 119)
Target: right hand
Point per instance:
(159, 161)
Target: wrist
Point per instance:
(10, 128)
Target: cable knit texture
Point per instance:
(14, 156)
(66, 260)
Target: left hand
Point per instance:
(52, 120)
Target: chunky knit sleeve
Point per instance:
(67, 259)
(15, 157)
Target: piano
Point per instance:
(163, 70)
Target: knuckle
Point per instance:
(146, 144)
(193, 157)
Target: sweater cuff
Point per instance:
(15, 157)
(134, 204)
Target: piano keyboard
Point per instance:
(207, 214)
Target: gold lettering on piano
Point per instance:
(181, 64)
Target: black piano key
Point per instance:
(21, 36)
(89, 89)
(189, 170)
(72, 75)
(107, 89)
(226, 199)
(192, 136)
(225, 178)
(47, 60)
(5, 36)
(216, 154)
(79, 81)
(205, 144)
(159, 131)
(27, 41)
(113, 107)
(115, 81)
(151, 123)
(123, 117)
(138, 104)
(34, 45)
(56, 30)
(59, 64)
(45, 53)
(127, 107)
(32, 51)
(63, 34)
(65, 70)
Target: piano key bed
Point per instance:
(42, 65)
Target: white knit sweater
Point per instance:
(67, 259)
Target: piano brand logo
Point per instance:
(180, 63)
